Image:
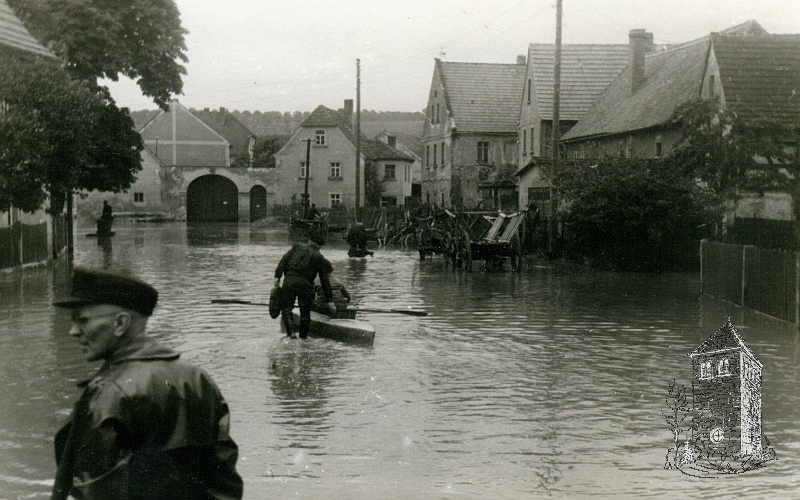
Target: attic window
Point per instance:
(705, 369)
(320, 137)
(724, 367)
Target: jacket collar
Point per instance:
(141, 348)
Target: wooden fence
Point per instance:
(22, 244)
(767, 281)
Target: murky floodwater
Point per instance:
(548, 383)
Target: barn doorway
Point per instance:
(258, 203)
(212, 198)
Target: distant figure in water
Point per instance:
(357, 239)
(105, 221)
(312, 213)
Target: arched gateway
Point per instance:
(212, 198)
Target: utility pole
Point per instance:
(358, 135)
(308, 173)
(551, 223)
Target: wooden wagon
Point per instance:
(493, 238)
(302, 230)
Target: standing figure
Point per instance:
(147, 425)
(312, 213)
(300, 266)
(105, 221)
(357, 239)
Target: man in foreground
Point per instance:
(300, 266)
(147, 426)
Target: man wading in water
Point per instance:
(300, 266)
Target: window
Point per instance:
(711, 89)
(529, 90)
(659, 151)
(428, 156)
(705, 369)
(138, 197)
(335, 199)
(442, 155)
(531, 140)
(391, 140)
(388, 172)
(407, 173)
(435, 162)
(302, 170)
(724, 367)
(320, 137)
(437, 113)
(483, 152)
(525, 142)
(336, 170)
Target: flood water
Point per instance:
(543, 384)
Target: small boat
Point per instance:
(344, 330)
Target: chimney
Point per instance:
(348, 107)
(641, 42)
(521, 59)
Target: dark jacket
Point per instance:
(148, 426)
(305, 261)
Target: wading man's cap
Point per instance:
(99, 287)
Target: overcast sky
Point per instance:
(273, 55)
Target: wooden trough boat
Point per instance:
(344, 330)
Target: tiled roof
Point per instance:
(672, 77)
(222, 121)
(727, 337)
(482, 97)
(760, 76)
(372, 149)
(14, 35)
(586, 70)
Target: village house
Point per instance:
(469, 138)
(195, 166)
(586, 70)
(410, 146)
(328, 138)
(27, 238)
(753, 73)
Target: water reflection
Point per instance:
(211, 233)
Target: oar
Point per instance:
(410, 312)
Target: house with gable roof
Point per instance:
(753, 73)
(586, 71)
(470, 134)
(241, 139)
(27, 238)
(332, 172)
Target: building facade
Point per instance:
(470, 133)
(327, 141)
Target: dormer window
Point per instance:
(711, 89)
(320, 137)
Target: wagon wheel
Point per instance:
(410, 240)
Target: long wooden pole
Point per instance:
(358, 136)
(556, 134)
(308, 173)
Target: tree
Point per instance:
(65, 132)
(141, 39)
(264, 152)
(58, 134)
(729, 154)
(676, 412)
(633, 214)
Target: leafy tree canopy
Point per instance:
(141, 39)
(57, 134)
